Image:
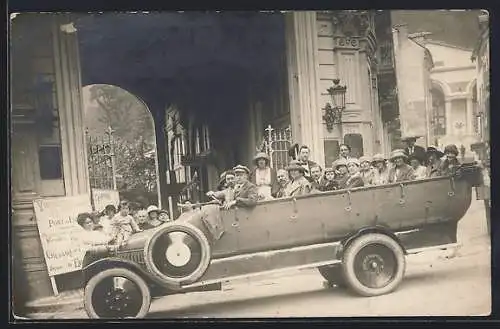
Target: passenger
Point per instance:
(316, 179)
(245, 193)
(341, 173)
(381, 172)
(450, 163)
(153, 218)
(434, 161)
(328, 182)
(264, 177)
(227, 194)
(412, 149)
(366, 170)
(420, 171)
(107, 215)
(123, 225)
(355, 179)
(298, 185)
(91, 237)
(304, 161)
(283, 181)
(142, 219)
(222, 181)
(345, 152)
(401, 171)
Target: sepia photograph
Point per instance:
(250, 164)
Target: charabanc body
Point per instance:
(358, 238)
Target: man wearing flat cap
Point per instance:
(412, 149)
(245, 193)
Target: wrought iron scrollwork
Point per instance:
(332, 116)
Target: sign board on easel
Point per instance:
(60, 233)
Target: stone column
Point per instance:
(70, 105)
(305, 112)
(470, 116)
(447, 108)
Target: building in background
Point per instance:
(454, 97)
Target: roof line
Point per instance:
(441, 43)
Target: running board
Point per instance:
(440, 247)
(269, 262)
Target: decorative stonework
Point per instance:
(352, 23)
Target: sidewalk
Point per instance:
(472, 235)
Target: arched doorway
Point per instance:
(121, 144)
(438, 115)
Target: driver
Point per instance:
(227, 194)
(245, 193)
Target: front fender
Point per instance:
(111, 262)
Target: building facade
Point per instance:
(454, 96)
(190, 100)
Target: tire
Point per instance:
(333, 275)
(181, 267)
(94, 296)
(374, 264)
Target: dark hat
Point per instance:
(407, 137)
(295, 165)
(261, 155)
(241, 168)
(452, 148)
(433, 149)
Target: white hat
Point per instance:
(152, 208)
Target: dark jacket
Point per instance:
(246, 195)
(355, 181)
(434, 170)
(448, 168)
(308, 165)
(418, 152)
(406, 173)
(327, 185)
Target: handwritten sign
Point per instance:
(60, 233)
(104, 197)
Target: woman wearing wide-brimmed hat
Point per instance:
(450, 163)
(433, 161)
(401, 171)
(381, 170)
(355, 179)
(366, 171)
(298, 184)
(341, 172)
(264, 177)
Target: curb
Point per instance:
(68, 302)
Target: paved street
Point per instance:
(437, 283)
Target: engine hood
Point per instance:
(138, 240)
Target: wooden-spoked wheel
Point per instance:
(374, 264)
(333, 275)
(116, 293)
(178, 253)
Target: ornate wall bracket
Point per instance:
(332, 116)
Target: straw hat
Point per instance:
(152, 208)
(353, 160)
(261, 155)
(398, 153)
(365, 159)
(241, 168)
(339, 162)
(379, 157)
(329, 169)
(294, 165)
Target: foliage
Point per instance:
(132, 139)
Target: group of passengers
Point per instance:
(242, 186)
(114, 226)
